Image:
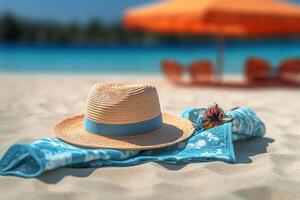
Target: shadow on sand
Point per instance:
(244, 149)
(55, 176)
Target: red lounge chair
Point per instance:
(258, 71)
(289, 72)
(172, 70)
(201, 72)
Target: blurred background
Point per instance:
(195, 52)
(64, 36)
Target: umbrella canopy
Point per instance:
(226, 17)
(218, 17)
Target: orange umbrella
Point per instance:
(219, 17)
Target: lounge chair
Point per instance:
(258, 71)
(201, 72)
(173, 71)
(289, 71)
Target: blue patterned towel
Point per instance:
(31, 160)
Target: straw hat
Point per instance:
(120, 116)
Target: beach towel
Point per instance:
(31, 160)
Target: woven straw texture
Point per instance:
(123, 104)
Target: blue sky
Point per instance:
(72, 10)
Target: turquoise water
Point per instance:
(133, 59)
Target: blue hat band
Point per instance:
(123, 129)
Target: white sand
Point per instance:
(268, 168)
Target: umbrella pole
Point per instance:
(220, 57)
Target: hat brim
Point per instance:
(174, 130)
